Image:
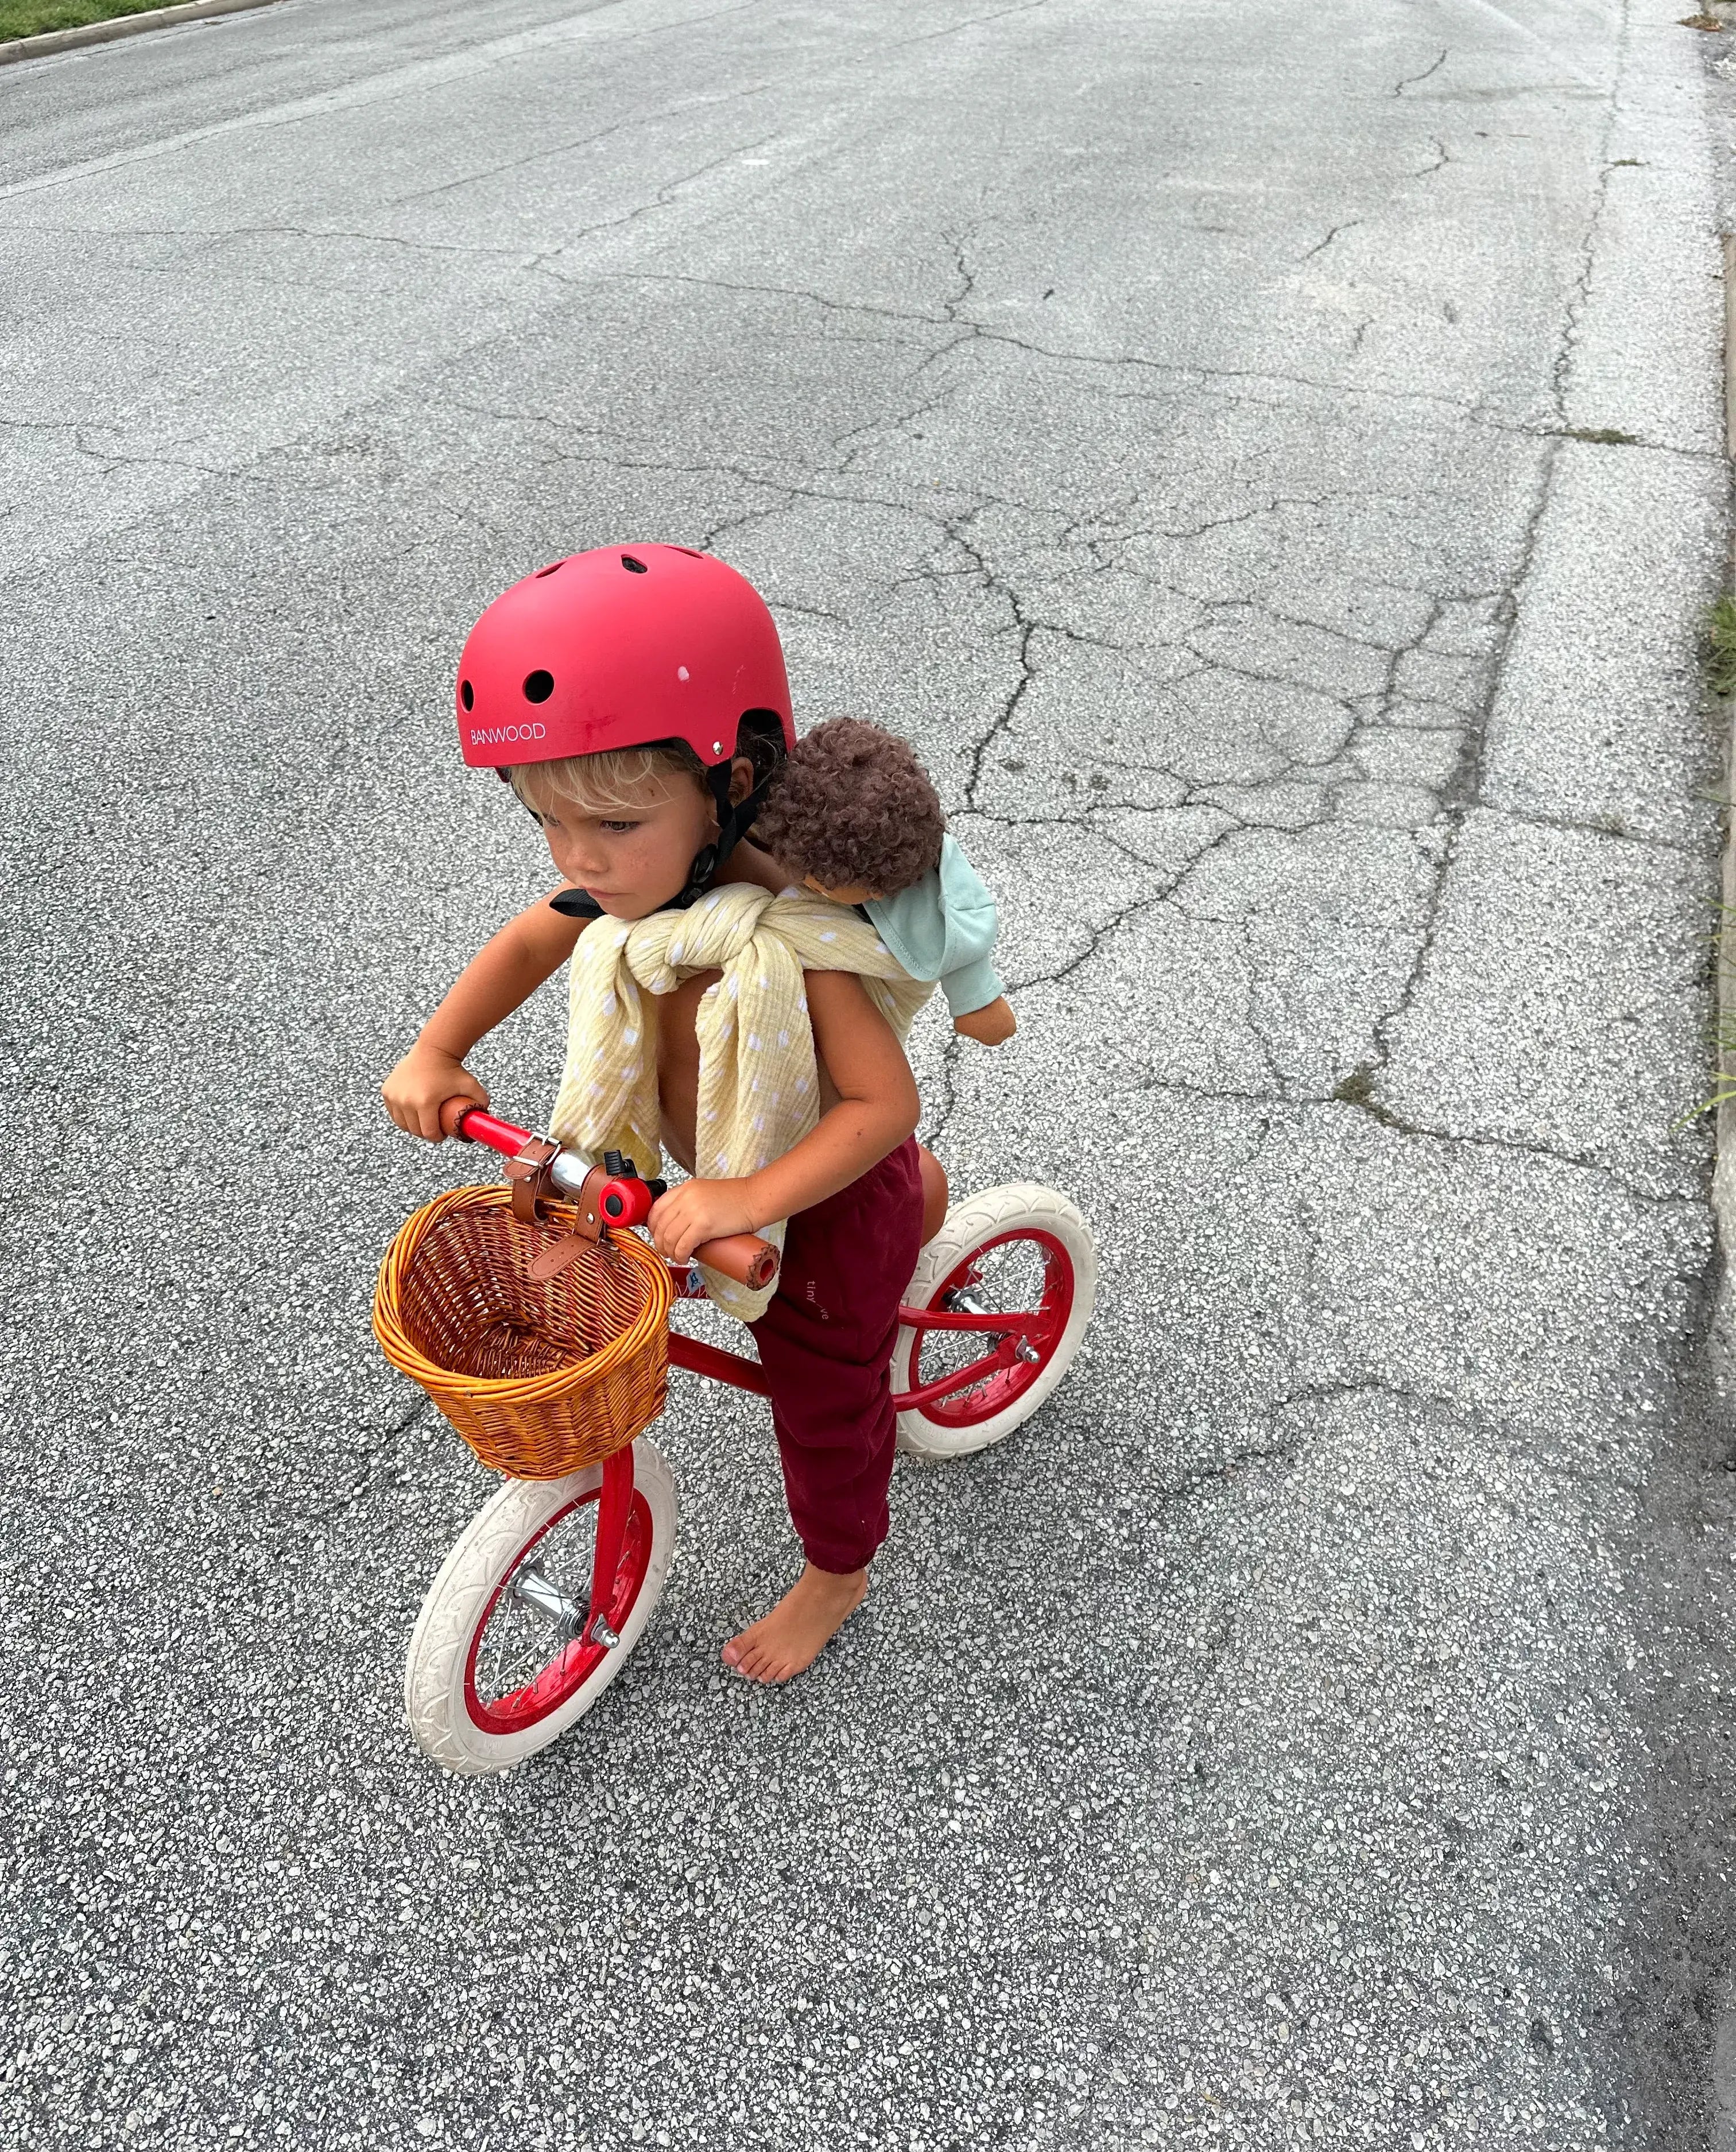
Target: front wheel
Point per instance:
(500, 1664)
(1021, 1249)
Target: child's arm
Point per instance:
(877, 1109)
(506, 970)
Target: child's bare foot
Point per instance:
(805, 1621)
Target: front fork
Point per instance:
(614, 1504)
(533, 1587)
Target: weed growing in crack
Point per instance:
(1721, 1030)
(1723, 1021)
(1358, 1089)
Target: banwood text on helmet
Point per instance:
(619, 647)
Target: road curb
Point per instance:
(121, 26)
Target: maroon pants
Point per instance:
(826, 1343)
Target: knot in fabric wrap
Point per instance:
(758, 1077)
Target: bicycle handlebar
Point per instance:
(624, 1201)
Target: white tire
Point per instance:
(1032, 1244)
(464, 1725)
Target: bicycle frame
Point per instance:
(742, 1373)
(626, 1200)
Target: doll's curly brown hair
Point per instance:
(852, 804)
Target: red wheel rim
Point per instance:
(573, 1664)
(1044, 1326)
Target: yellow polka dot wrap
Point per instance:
(759, 1079)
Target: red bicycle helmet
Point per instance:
(619, 647)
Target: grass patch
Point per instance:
(1720, 646)
(1723, 1074)
(1611, 437)
(25, 19)
(1723, 1027)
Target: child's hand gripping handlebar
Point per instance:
(538, 1167)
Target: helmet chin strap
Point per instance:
(734, 824)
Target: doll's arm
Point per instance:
(991, 1025)
(506, 970)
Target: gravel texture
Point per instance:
(1270, 464)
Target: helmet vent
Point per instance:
(632, 566)
(538, 686)
(553, 568)
(467, 694)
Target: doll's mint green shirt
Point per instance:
(943, 927)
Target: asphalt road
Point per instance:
(1269, 461)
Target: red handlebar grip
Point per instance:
(470, 1123)
(743, 1257)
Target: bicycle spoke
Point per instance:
(532, 1621)
(1016, 1276)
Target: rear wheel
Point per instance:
(501, 1664)
(1021, 1250)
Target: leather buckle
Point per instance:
(527, 1175)
(586, 1232)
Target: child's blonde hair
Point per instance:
(606, 783)
(619, 778)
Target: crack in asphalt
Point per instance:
(1182, 376)
(1410, 81)
(1025, 627)
(940, 1118)
(1320, 246)
(1352, 1094)
(378, 1474)
(661, 199)
(537, 156)
(1463, 788)
(1581, 291)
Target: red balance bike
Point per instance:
(538, 1320)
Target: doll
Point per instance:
(854, 815)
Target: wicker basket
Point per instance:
(539, 1375)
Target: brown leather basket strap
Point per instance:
(527, 1174)
(589, 1203)
(585, 1231)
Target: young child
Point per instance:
(635, 702)
(854, 814)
